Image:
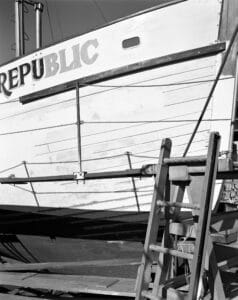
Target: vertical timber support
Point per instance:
(79, 128)
(133, 181)
(144, 274)
(32, 187)
(205, 215)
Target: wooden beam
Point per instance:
(225, 221)
(204, 215)
(74, 284)
(17, 297)
(61, 265)
(144, 272)
(128, 70)
(24, 180)
(145, 171)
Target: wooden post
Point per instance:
(133, 181)
(31, 184)
(205, 215)
(78, 128)
(144, 276)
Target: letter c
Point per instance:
(85, 52)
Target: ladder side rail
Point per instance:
(164, 261)
(205, 214)
(162, 274)
(144, 273)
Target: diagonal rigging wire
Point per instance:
(212, 89)
(145, 160)
(116, 87)
(185, 101)
(91, 134)
(112, 88)
(114, 139)
(36, 129)
(100, 11)
(112, 122)
(96, 85)
(148, 142)
(156, 121)
(137, 124)
(75, 161)
(9, 102)
(11, 168)
(49, 19)
(153, 150)
(154, 85)
(91, 159)
(20, 188)
(58, 21)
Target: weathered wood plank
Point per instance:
(225, 171)
(71, 283)
(144, 274)
(59, 265)
(205, 214)
(16, 297)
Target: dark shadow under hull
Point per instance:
(31, 234)
(73, 223)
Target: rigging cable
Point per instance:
(122, 86)
(100, 11)
(11, 168)
(36, 129)
(51, 27)
(212, 89)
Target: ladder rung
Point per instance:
(149, 295)
(178, 204)
(171, 252)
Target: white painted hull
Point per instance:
(104, 145)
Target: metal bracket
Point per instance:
(79, 175)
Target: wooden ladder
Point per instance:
(155, 279)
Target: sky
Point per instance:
(62, 19)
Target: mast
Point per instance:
(19, 24)
(19, 28)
